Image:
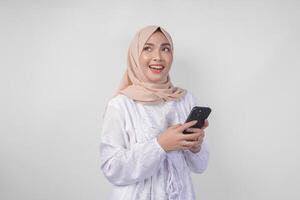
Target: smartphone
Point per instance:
(200, 114)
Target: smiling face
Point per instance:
(156, 58)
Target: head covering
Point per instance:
(134, 84)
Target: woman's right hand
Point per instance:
(173, 138)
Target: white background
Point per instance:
(61, 61)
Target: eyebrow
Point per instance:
(163, 44)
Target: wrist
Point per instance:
(161, 142)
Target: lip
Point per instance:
(156, 71)
(157, 65)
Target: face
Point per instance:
(156, 58)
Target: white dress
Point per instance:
(132, 159)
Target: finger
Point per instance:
(185, 148)
(186, 125)
(176, 126)
(195, 149)
(202, 135)
(192, 136)
(188, 144)
(205, 124)
(194, 130)
(200, 138)
(196, 146)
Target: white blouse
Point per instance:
(132, 159)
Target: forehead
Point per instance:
(157, 37)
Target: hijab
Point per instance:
(133, 83)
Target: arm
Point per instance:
(123, 165)
(197, 162)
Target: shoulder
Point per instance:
(120, 102)
(117, 106)
(187, 101)
(188, 97)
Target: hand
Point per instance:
(173, 138)
(197, 147)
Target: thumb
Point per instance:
(176, 125)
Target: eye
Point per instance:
(147, 48)
(166, 49)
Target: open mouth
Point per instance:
(156, 68)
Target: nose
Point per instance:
(156, 55)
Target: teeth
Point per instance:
(156, 67)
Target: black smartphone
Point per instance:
(200, 114)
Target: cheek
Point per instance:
(169, 60)
(144, 60)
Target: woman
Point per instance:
(144, 153)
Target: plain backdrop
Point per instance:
(61, 61)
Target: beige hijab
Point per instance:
(133, 84)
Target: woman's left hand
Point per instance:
(197, 147)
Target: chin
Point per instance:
(156, 80)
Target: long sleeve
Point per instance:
(121, 163)
(197, 162)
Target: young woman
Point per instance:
(144, 153)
